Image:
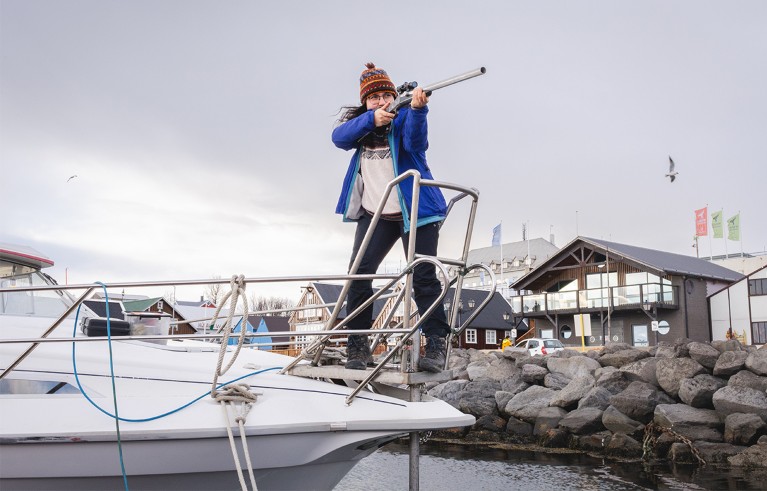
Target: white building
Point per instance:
(743, 307)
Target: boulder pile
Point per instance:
(684, 401)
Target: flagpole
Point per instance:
(740, 233)
(710, 250)
(500, 242)
(726, 254)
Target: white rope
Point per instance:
(237, 290)
(230, 396)
(238, 396)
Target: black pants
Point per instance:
(426, 286)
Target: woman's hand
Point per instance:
(382, 117)
(419, 98)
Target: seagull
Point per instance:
(671, 172)
(71, 177)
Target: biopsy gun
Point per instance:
(405, 91)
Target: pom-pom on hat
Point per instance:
(375, 80)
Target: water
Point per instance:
(446, 467)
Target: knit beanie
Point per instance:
(375, 80)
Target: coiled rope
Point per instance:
(237, 396)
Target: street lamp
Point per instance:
(513, 333)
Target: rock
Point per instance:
(514, 384)
(556, 381)
(501, 369)
(671, 371)
(598, 397)
(614, 381)
(477, 404)
(596, 442)
(730, 363)
(617, 422)
(690, 422)
(743, 429)
(548, 418)
(728, 400)
(555, 438)
(515, 353)
(663, 445)
(527, 404)
(680, 453)
(450, 392)
(478, 397)
(745, 378)
(704, 353)
(502, 398)
(757, 362)
(621, 445)
(717, 453)
(622, 357)
(699, 390)
(677, 349)
(477, 369)
(615, 347)
(490, 422)
(754, 457)
(729, 345)
(573, 392)
(518, 427)
(572, 367)
(644, 370)
(583, 421)
(531, 360)
(533, 374)
(638, 401)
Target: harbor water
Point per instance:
(448, 467)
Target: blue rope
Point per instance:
(116, 415)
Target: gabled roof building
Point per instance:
(623, 293)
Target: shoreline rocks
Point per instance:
(684, 401)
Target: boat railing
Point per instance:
(405, 329)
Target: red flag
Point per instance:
(701, 222)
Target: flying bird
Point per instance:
(71, 177)
(671, 172)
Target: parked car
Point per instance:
(540, 346)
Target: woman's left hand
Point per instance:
(419, 98)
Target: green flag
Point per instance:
(716, 224)
(733, 227)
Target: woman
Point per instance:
(386, 145)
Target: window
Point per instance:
(759, 329)
(639, 335)
(471, 336)
(490, 337)
(565, 332)
(757, 287)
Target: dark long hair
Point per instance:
(350, 112)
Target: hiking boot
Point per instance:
(357, 352)
(434, 358)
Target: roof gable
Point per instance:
(658, 262)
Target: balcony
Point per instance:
(632, 297)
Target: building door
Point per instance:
(639, 335)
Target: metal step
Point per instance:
(387, 375)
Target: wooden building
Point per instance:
(624, 293)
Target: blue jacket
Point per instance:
(408, 142)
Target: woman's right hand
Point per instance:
(382, 117)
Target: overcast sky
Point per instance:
(199, 131)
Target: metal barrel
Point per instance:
(454, 80)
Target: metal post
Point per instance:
(415, 445)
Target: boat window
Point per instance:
(41, 387)
(41, 303)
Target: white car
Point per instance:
(540, 346)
